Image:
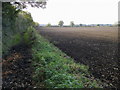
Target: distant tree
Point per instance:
(98, 24)
(48, 25)
(72, 24)
(80, 24)
(61, 23)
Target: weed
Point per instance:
(56, 70)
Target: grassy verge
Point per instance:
(54, 69)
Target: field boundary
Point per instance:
(54, 69)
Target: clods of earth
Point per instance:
(16, 68)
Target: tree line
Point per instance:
(61, 24)
(72, 24)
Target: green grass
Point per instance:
(54, 69)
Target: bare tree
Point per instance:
(21, 4)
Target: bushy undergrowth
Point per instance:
(16, 26)
(54, 69)
(26, 38)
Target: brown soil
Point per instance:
(16, 68)
(96, 47)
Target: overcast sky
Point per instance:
(79, 11)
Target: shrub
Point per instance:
(16, 39)
(29, 36)
(16, 27)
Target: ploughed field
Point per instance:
(93, 46)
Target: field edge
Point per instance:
(54, 69)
